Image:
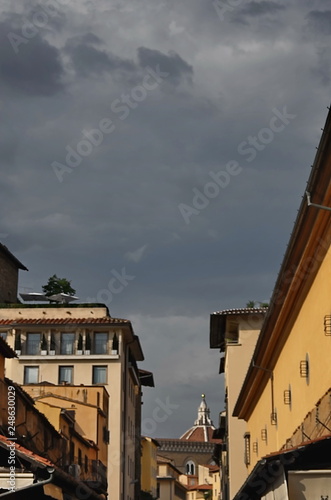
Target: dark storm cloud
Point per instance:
(88, 59)
(255, 9)
(119, 206)
(28, 65)
(262, 11)
(319, 22)
(318, 31)
(173, 64)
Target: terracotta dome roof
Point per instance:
(203, 428)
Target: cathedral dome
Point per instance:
(203, 428)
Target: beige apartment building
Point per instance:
(169, 485)
(235, 333)
(82, 345)
(206, 484)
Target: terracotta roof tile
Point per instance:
(243, 310)
(64, 321)
(200, 487)
(212, 468)
(25, 452)
(197, 433)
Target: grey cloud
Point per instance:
(319, 22)
(318, 31)
(124, 196)
(173, 64)
(322, 68)
(264, 10)
(36, 68)
(87, 59)
(261, 8)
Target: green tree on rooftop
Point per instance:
(57, 285)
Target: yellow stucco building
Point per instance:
(285, 398)
(149, 448)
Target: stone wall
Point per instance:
(8, 280)
(181, 451)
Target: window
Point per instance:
(247, 438)
(190, 468)
(3, 335)
(86, 464)
(72, 452)
(99, 375)
(100, 343)
(31, 374)
(232, 334)
(80, 460)
(66, 374)
(67, 343)
(33, 343)
(105, 435)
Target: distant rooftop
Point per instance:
(242, 310)
(50, 306)
(64, 321)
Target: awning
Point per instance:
(309, 484)
(265, 479)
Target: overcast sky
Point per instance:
(155, 152)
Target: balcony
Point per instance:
(92, 472)
(67, 345)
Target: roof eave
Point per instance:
(319, 185)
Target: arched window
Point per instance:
(190, 468)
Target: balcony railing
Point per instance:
(92, 472)
(72, 350)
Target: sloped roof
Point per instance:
(12, 258)
(242, 310)
(200, 487)
(42, 464)
(25, 453)
(6, 350)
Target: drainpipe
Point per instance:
(323, 207)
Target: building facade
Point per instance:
(34, 452)
(285, 397)
(207, 484)
(149, 448)
(195, 447)
(234, 332)
(169, 486)
(82, 345)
